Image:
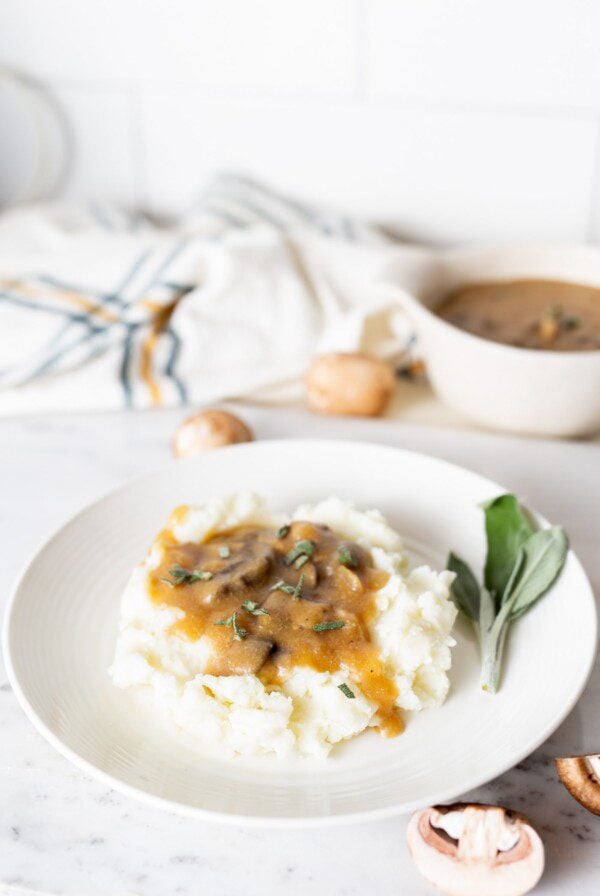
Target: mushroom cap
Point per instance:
(476, 850)
(581, 777)
(349, 384)
(209, 429)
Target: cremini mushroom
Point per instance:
(212, 428)
(581, 777)
(476, 850)
(349, 384)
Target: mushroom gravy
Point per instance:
(538, 314)
(300, 576)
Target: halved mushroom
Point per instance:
(581, 777)
(472, 850)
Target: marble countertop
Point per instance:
(64, 833)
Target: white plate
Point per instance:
(61, 625)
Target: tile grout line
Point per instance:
(208, 93)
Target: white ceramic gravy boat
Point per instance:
(522, 390)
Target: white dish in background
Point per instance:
(545, 393)
(60, 633)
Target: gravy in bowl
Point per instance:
(535, 314)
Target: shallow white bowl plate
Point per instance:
(61, 626)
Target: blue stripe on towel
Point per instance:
(227, 217)
(263, 215)
(99, 216)
(79, 317)
(124, 369)
(102, 299)
(129, 276)
(172, 361)
(169, 259)
(50, 362)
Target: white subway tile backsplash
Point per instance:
(462, 120)
(517, 52)
(435, 174)
(102, 164)
(295, 45)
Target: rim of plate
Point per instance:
(259, 821)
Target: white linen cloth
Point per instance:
(100, 311)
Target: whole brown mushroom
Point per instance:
(209, 429)
(349, 384)
(476, 850)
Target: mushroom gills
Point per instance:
(581, 776)
(472, 850)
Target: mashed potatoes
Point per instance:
(309, 711)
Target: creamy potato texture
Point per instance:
(348, 637)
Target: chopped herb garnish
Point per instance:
(301, 548)
(298, 589)
(168, 582)
(571, 323)
(555, 312)
(224, 551)
(182, 576)
(347, 558)
(282, 586)
(301, 561)
(328, 626)
(294, 591)
(238, 633)
(283, 532)
(251, 607)
(346, 691)
(228, 621)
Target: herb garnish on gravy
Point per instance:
(522, 563)
(267, 603)
(328, 626)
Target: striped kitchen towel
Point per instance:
(100, 310)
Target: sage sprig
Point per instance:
(522, 562)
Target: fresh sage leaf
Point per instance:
(465, 590)
(507, 529)
(543, 555)
(521, 565)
